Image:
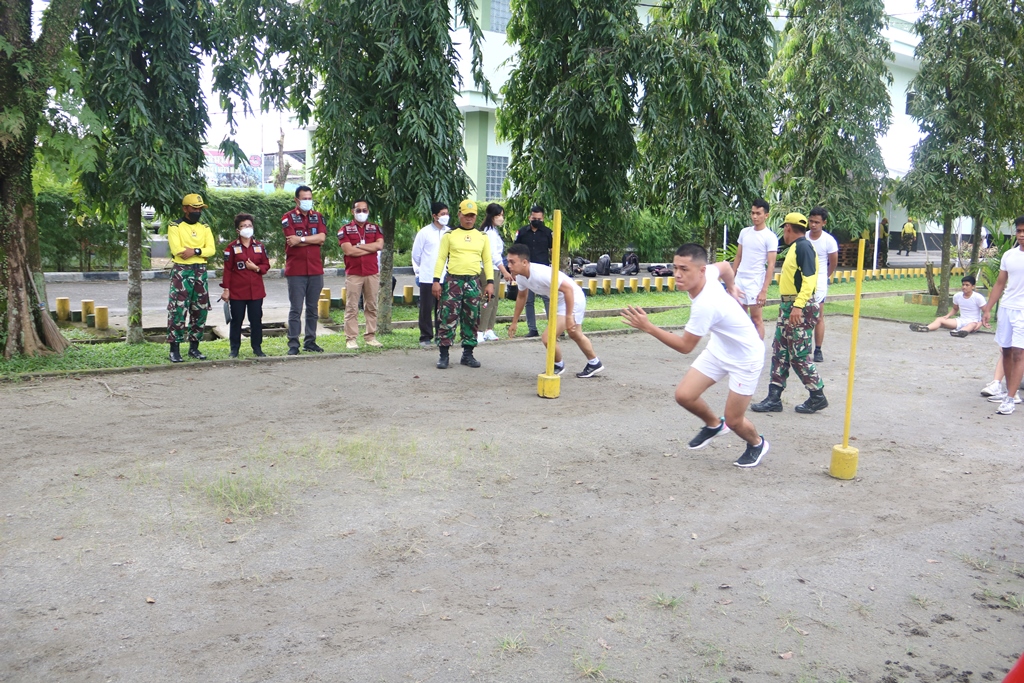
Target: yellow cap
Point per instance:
(467, 207)
(796, 219)
(194, 201)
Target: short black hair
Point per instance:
(694, 252)
(820, 212)
(519, 251)
(970, 279)
(536, 208)
(244, 217)
(761, 204)
(302, 188)
(360, 201)
(1018, 222)
(437, 207)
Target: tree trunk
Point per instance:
(387, 262)
(947, 243)
(135, 335)
(976, 244)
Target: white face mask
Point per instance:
(361, 217)
(306, 204)
(499, 221)
(245, 232)
(443, 220)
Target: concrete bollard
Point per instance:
(407, 294)
(658, 282)
(63, 308)
(670, 284)
(646, 283)
(88, 308)
(620, 284)
(592, 287)
(344, 296)
(579, 282)
(632, 284)
(102, 318)
(324, 309)
(501, 289)
(325, 293)
(606, 285)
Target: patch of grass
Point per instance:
(512, 644)
(975, 562)
(665, 601)
(860, 608)
(712, 656)
(921, 601)
(888, 308)
(247, 493)
(587, 668)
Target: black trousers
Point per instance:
(428, 313)
(239, 309)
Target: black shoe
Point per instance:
(559, 368)
(818, 358)
(175, 355)
(958, 333)
(193, 351)
(467, 358)
(233, 353)
(706, 434)
(815, 402)
(442, 362)
(590, 370)
(752, 456)
(258, 352)
(772, 403)
(918, 327)
(312, 348)
(533, 333)
(293, 351)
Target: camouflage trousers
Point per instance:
(906, 242)
(189, 297)
(792, 347)
(460, 307)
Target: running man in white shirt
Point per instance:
(967, 303)
(424, 257)
(827, 248)
(572, 305)
(1010, 329)
(733, 349)
(754, 264)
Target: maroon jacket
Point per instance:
(244, 284)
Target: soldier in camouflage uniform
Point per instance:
(191, 244)
(463, 251)
(798, 314)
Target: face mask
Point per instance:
(306, 204)
(361, 217)
(193, 216)
(537, 223)
(245, 232)
(499, 221)
(443, 220)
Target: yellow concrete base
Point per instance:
(844, 462)
(324, 309)
(548, 386)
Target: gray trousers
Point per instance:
(531, 315)
(303, 287)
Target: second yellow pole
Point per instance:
(844, 457)
(549, 384)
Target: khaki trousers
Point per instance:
(369, 287)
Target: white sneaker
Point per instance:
(372, 342)
(351, 344)
(993, 388)
(480, 338)
(999, 398)
(490, 336)
(1006, 407)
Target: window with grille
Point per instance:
(500, 14)
(911, 96)
(497, 169)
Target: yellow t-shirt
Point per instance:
(908, 229)
(465, 252)
(191, 236)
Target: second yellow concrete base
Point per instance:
(548, 386)
(844, 462)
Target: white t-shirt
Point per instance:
(539, 282)
(756, 245)
(970, 309)
(424, 252)
(825, 244)
(1013, 263)
(734, 338)
(497, 249)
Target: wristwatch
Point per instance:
(302, 239)
(199, 252)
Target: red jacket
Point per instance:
(303, 260)
(353, 234)
(244, 284)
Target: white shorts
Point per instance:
(963, 322)
(1010, 328)
(750, 285)
(742, 378)
(820, 293)
(579, 309)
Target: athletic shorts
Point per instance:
(742, 378)
(820, 293)
(579, 309)
(750, 285)
(1010, 328)
(961, 323)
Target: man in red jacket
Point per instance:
(245, 264)
(361, 241)
(304, 233)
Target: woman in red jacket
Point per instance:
(245, 262)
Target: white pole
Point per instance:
(878, 220)
(725, 239)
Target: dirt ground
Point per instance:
(451, 526)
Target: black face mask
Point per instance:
(192, 217)
(537, 223)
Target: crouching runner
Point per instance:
(734, 349)
(572, 305)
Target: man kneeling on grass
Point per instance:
(734, 349)
(572, 305)
(968, 304)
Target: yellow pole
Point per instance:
(102, 318)
(63, 308)
(844, 458)
(549, 384)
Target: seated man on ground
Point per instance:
(967, 303)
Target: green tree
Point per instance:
(141, 62)
(968, 105)
(27, 68)
(569, 110)
(830, 84)
(704, 123)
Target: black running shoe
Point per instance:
(818, 358)
(706, 434)
(533, 333)
(590, 370)
(752, 456)
(559, 369)
(312, 348)
(958, 333)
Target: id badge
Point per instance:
(362, 241)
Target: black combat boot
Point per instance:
(467, 357)
(442, 362)
(815, 402)
(258, 352)
(772, 403)
(193, 351)
(176, 353)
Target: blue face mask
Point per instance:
(306, 204)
